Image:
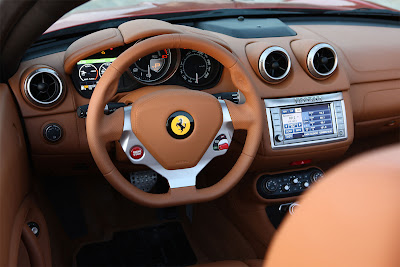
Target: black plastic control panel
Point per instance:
(287, 184)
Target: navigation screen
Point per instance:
(308, 121)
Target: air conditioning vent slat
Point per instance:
(274, 64)
(43, 87)
(322, 60)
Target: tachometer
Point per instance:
(197, 68)
(153, 68)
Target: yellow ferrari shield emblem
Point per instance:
(180, 124)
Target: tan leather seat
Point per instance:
(350, 218)
(246, 263)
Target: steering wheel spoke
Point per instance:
(139, 154)
(242, 116)
(111, 126)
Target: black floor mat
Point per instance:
(163, 245)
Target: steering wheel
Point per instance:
(175, 132)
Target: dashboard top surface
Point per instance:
(366, 64)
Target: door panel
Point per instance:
(16, 206)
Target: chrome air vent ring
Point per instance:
(322, 61)
(274, 64)
(43, 87)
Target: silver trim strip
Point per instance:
(180, 177)
(27, 89)
(261, 64)
(280, 102)
(310, 60)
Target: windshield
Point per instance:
(112, 4)
(101, 10)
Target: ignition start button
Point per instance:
(137, 152)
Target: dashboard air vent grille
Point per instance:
(322, 60)
(43, 87)
(274, 64)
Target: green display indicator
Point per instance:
(96, 60)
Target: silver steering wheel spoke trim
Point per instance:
(179, 177)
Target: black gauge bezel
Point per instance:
(214, 73)
(174, 61)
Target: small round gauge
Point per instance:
(88, 72)
(197, 68)
(153, 68)
(103, 68)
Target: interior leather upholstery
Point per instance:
(373, 96)
(14, 177)
(246, 263)
(350, 218)
(18, 206)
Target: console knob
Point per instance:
(306, 184)
(52, 132)
(295, 180)
(285, 188)
(271, 186)
(316, 175)
(279, 138)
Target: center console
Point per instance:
(287, 184)
(304, 121)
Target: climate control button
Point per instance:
(295, 180)
(286, 188)
(271, 186)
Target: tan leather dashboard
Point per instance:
(367, 74)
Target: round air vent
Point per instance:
(322, 60)
(43, 87)
(274, 64)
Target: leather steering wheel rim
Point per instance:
(102, 129)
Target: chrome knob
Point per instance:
(279, 138)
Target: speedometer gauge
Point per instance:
(197, 68)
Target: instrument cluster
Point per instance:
(184, 67)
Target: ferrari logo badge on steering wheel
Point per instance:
(180, 124)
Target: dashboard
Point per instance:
(290, 85)
(188, 68)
